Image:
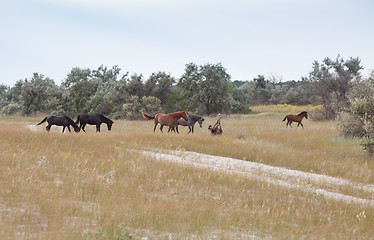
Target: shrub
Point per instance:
(357, 120)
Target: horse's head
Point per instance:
(184, 115)
(76, 128)
(306, 115)
(109, 124)
(200, 121)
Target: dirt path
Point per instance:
(309, 182)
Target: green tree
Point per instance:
(215, 89)
(135, 86)
(36, 93)
(357, 119)
(159, 85)
(79, 89)
(205, 89)
(189, 87)
(331, 80)
(132, 109)
(151, 105)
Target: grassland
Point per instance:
(96, 186)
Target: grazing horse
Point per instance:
(60, 121)
(192, 119)
(296, 118)
(94, 119)
(217, 128)
(169, 119)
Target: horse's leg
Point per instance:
(189, 129)
(290, 124)
(63, 129)
(176, 127)
(162, 126)
(69, 128)
(48, 127)
(97, 127)
(83, 126)
(154, 129)
(301, 124)
(192, 127)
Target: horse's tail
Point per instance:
(76, 122)
(147, 117)
(45, 119)
(285, 118)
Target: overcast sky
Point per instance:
(248, 37)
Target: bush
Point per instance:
(349, 125)
(11, 109)
(357, 120)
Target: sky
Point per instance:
(274, 38)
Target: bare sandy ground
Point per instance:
(309, 182)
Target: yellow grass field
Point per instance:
(98, 186)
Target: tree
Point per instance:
(159, 85)
(189, 87)
(332, 80)
(261, 94)
(150, 104)
(357, 119)
(3, 96)
(79, 89)
(205, 89)
(135, 86)
(36, 93)
(215, 88)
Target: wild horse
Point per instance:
(296, 118)
(93, 119)
(192, 119)
(60, 121)
(169, 119)
(217, 128)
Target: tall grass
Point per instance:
(93, 185)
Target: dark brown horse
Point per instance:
(63, 121)
(169, 119)
(296, 118)
(93, 119)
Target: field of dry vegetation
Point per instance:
(99, 186)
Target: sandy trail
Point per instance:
(294, 179)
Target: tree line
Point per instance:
(205, 89)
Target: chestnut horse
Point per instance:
(169, 119)
(296, 118)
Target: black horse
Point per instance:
(192, 119)
(60, 121)
(94, 119)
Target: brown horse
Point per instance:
(169, 119)
(63, 121)
(296, 118)
(216, 129)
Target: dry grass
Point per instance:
(83, 186)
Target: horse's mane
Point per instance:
(71, 121)
(194, 117)
(302, 113)
(177, 113)
(105, 118)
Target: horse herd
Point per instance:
(172, 120)
(83, 120)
